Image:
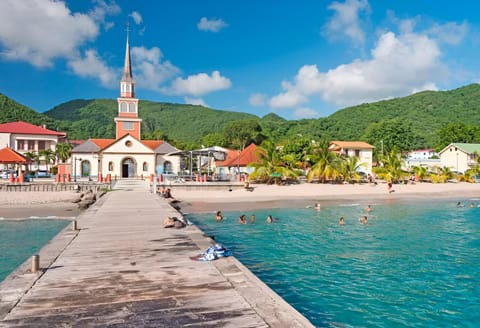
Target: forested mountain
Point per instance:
(414, 121)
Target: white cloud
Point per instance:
(289, 99)
(39, 31)
(200, 84)
(399, 65)
(195, 101)
(451, 33)
(257, 99)
(92, 66)
(346, 20)
(149, 68)
(211, 25)
(304, 112)
(137, 18)
(102, 10)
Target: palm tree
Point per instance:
(270, 167)
(392, 163)
(32, 156)
(325, 166)
(421, 172)
(63, 151)
(348, 168)
(48, 155)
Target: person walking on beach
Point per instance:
(389, 188)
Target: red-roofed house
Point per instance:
(237, 162)
(126, 155)
(360, 149)
(24, 137)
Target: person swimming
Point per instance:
(368, 208)
(363, 219)
(242, 219)
(269, 219)
(341, 221)
(219, 216)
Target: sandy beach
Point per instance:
(20, 205)
(60, 204)
(306, 194)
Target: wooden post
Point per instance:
(35, 263)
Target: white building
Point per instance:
(24, 137)
(127, 155)
(421, 154)
(360, 149)
(460, 157)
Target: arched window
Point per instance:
(132, 108)
(123, 107)
(110, 166)
(145, 166)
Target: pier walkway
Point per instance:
(123, 269)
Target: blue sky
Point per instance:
(299, 59)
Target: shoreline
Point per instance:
(303, 195)
(58, 205)
(39, 204)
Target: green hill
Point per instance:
(422, 115)
(187, 123)
(425, 112)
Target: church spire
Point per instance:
(127, 84)
(127, 121)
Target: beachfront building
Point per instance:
(460, 157)
(420, 154)
(236, 163)
(127, 155)
(422, 157)
(360, 149)
(25, 138)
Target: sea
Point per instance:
(411, 265)
(20, 239)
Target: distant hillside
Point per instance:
(11, 111)
(426, 112)
(423, 113)
(187, 123)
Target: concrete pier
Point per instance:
(122, 268)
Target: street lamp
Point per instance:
(75, 168)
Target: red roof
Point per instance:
(103, 143)
(231, 154)
(21, 127)
(351, 145)
(152, 144)
(10, 156)
(247, 156)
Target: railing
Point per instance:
(53, 187)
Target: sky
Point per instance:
(298, 59)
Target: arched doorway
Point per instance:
(128, 168)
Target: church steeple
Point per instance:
(127, 84)
(127, 120)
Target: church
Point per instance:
(126, 156)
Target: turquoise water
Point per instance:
(410, 266)
(21, 239)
